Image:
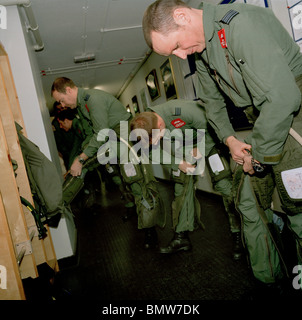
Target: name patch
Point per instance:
(222, 39)
(178, 123)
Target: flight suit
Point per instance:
(182, 115)
(252, 59)
(98, 110)
(104, 111)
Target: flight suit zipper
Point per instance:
(230, 67)
(218, 79)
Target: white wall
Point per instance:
(19, 47)
(23, 71)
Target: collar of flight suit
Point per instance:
(81, 96)
(212, 16)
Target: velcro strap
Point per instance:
(276, 158)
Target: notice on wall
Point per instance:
(260, 3)
(295, 16)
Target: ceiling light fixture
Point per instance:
(84, 58)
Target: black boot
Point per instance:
(180, 242)
(237, 246)
(151, 240)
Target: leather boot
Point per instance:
(150, 238)
(237, 245)
(180, 242)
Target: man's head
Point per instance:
(65, 118)
(172, 27)
(149, 121)
(65, 92)
(57, 107)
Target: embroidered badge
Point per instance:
(178, 123)
(221, 35)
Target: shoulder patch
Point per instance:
(87, 97)
(177, 111)
(227, 18)
(178, 123)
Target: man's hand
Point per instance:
(237, 149)
(76, 168)
(186, 166)
(247, 165)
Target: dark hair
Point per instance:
(60, 85)
(66, 114)
(159, 17)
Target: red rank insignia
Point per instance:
(178, 123)
(222, 39)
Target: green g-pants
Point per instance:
(264, 258)
(186, 219)
(224, 187)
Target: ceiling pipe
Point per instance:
(88, 66)
(33, 27)
(119, 29)
(13, 2)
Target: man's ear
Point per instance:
(181, 16)
(158, 124)
(68, 90)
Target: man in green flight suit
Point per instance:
(185, 123)
(246, 54)
(97, 110)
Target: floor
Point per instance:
(112, 265)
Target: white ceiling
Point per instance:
(110, 29)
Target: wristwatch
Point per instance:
(257, 166)
(81, 160)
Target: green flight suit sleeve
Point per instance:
(269, 79)
(87, 133)
(99, 118)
